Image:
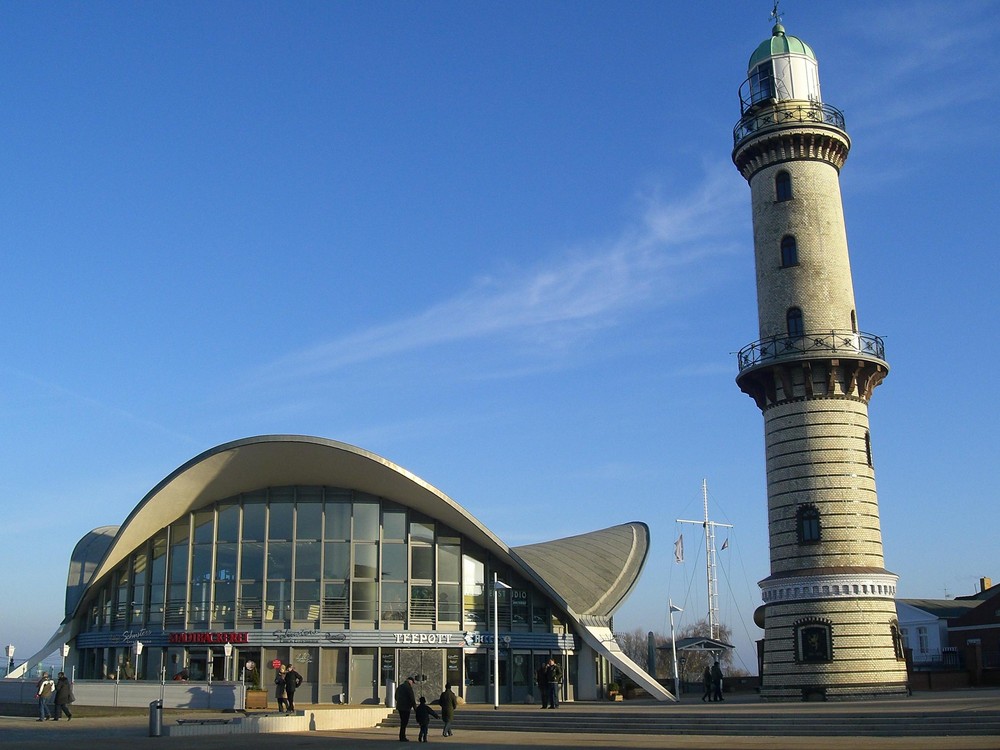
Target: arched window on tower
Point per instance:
(789, 251)
(868, 448)
(794, 320)
(807, 523)
(813, 641)
(782, 186)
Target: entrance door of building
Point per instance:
(426, 667)
(364, 684)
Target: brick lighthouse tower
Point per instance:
(829, 615)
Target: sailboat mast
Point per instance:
(713, 607)
(710, 560)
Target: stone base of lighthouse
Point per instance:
(832, 637)
(829, 616)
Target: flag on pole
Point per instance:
(679, 549)
(724, 544)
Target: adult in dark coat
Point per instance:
(279, 688)
(553, 675)
(64, 696)
(717, 682)
(706, 681)
(292, 681)
(542, 680)
(406, 701)
(449, 702)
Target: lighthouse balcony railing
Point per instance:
(774, 113)
(814, 344)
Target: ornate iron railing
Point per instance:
(780, 114)
(822, 343)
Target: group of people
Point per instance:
(406, 702)
(549, 679)
(712, 679)
(286, 682)
(54, 697)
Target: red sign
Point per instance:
(207, 638)
(276, 664)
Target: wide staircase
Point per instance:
(762, 721)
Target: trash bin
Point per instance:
(155, 718)
(390, 693)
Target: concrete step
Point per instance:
(762, 723)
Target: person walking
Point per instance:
(706, 679)
(44, 690)
(717, 682)
(424, 714)
(279, 688)
(553, 677)
(292, 681)
(449, 702)
(542, 680)
(405, 702)
(63, 697)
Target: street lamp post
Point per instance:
(673, 646)
(498, 586)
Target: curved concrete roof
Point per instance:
(593, 573)
(588, 575)
(87, 555)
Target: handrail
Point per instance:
(778, 113)
(821, 343)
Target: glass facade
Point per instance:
(279, 563)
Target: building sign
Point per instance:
(305, 638)
(430, 639)
(208, 638)
(132, 636)
(477, 639)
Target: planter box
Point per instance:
(256, 700)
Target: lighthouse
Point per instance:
(828, 614)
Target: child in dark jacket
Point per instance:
(424, 714)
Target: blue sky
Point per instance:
(501, 244)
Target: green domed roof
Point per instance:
(779, 44)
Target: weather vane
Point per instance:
(775, 13)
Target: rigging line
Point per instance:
(742, 620)
(691, 579)
(751, 594)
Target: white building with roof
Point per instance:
(306, 551)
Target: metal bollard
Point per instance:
(390, 693)
(155, 718)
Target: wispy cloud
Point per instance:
(947, 63)
(660, 260)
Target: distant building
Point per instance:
(940, 632)
(319, 554)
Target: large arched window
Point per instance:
(789, 251)
(794, 320)
(783, 186)
(807, 523)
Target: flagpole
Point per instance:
(673, 646)
(496, 646)
(497, 585)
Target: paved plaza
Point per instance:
(111, 732)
